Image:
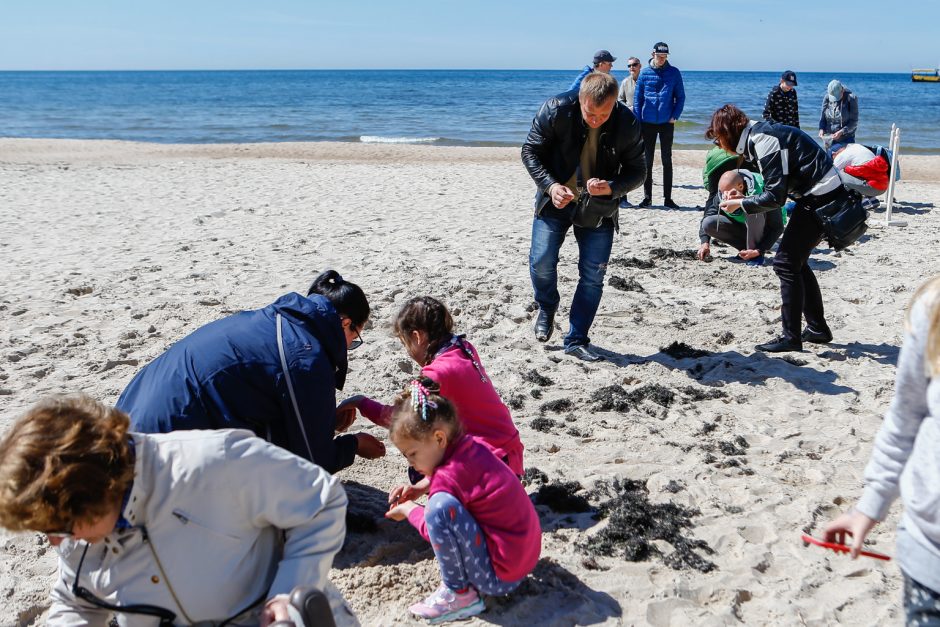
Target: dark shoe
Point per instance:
(624, 203)
(544, 325)
(757, 262)
(582, 352)
(646, 202)
(669, 203)
(309, 607)
(780, 345)
(816, 337)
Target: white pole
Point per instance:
(894, 146)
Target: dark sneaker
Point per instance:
(309, 607)
(816, 337)
(582, 352)
(669, 203)
(646, 202)
(780, 345)
(544, 325)
(756, 262)
(624, 203)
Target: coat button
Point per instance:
(155, 579)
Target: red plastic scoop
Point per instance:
(841, 548)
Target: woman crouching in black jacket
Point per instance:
(794, 165)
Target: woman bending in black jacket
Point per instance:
(794, 165)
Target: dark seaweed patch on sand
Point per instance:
(617, 398)
(533, 376)
(631, 262)
(543, 424)
(533, 476)
(634, 523)
(703, 394)
(681, 350)
(563, 497)
(625, 285)
(668, 253)
(558, 405)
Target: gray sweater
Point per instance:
(905, 460)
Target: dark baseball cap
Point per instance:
(660, 48)
(789, 77)
(602, 56)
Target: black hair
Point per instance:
(348, 298)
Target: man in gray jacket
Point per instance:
(179, 528)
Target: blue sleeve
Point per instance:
(638, 96)
(850, 123)
(822, 116)
(312, 434)
(678, 97)
(576, 85)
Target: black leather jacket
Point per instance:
(552, 150)
(791, 162)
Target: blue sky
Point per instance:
(803, 35)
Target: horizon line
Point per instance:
(467, 69)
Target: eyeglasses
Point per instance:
(356, 343)
(633, 65)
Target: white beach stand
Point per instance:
(893, 146)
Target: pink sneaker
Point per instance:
(445, 604)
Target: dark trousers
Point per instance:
(799, 289)
(665, 133)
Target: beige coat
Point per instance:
(207, 510)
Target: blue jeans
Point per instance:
(548, 234)
(460, 547)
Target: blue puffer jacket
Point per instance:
(228, 374)
(659, 95)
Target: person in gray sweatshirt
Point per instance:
(905, 462)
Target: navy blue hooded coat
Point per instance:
(228, 374)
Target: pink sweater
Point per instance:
(481, 410)
(496, 500)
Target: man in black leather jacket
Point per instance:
(584, 152)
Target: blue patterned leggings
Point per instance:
(921, 604)
(460, 547)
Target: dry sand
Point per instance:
(111, 251)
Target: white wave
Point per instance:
(378, 139)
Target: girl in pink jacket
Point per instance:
(480, 522)
(426, 329)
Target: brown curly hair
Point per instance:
(66, 460)
(408, 422)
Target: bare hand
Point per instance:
(704, 251)
(409, 492)
(836, 135)
(749, 254)
(852, 523)
(369, 446)
(672, 120)
(731, 205)
(400, 511)
(561, 195)
(598, 187)
(275, 609)
(821, 133)
(346, 412)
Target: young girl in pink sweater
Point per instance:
(480, 522)
(426, 329)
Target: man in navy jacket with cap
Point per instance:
(603, 62)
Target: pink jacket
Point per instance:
(496, 500)
(481, 410)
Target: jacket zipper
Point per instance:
(166, 579)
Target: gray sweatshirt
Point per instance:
(905, 460)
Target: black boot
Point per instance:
(544, 325)
(817, 337)
(309, 607)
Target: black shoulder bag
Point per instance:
(843, 220)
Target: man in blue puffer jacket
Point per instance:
(657, 104)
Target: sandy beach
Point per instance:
(111, 251)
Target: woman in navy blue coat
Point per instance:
(273, 370)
